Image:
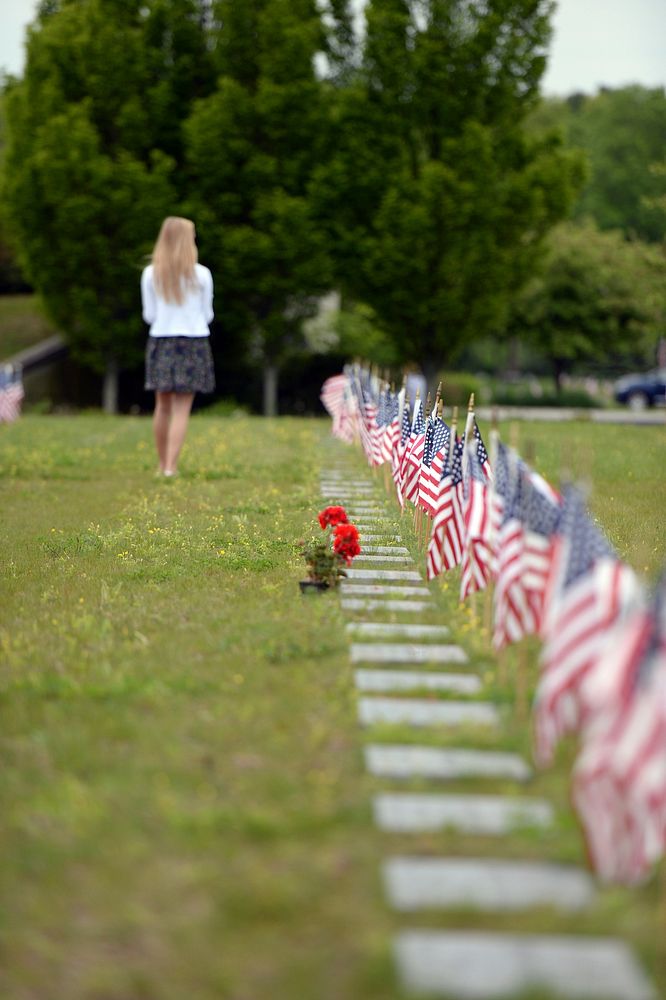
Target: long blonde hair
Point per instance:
(174, 257)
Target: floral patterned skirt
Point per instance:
(179, 364)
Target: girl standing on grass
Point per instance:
(177, 300)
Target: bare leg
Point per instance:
(181, 405)
(161, 421)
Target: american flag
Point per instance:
(391, 433)
(426, 454)
(481, 453)
(336, 398)
(587, 589)
(619, 781)
(448, 530)
(542, 510)
(381, 420)
(432, 465)
(527, 512)
(476, 561)
(11, 394)
(368, 424)
(400, 449)
(512, 613)
(413, 455)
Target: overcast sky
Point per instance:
(596, 43)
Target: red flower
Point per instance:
(332, 516)
(345, 542)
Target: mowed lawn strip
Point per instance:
(185, 810)
(186, 807)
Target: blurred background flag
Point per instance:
(587, 591)
(619, 786)
(11, 393)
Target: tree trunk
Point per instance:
(270, 390)
(110, 388)
(513, 358)
(558, 372)
(432, 370)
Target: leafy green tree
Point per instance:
(94, 159)
(438, 199)
(11, 279)
(599, 301)
(251, 149)
(623, 135)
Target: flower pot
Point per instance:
(312, 586)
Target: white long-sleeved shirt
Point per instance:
(189, 318)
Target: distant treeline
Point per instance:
(415, 169)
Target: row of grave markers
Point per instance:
(395, 657)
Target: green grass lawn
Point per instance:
(185, 809)
(22, 324)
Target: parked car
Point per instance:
(640, 391)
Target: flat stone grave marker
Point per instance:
(382, 590)
(386, 550)
(412, 680)
(494, 815)
(406, 652)
(333, 498)
(484, 883)
(483, 965)
(372, 558)
(370, 503)
(340, 490)
(367, 516)
(423, 712)
(367, 604)
(371, 524)
(396, 761)
(379, 630)
(387, 536)
(360, 495)
(384, 574)
(330, 497)
(346, 475)
(370, 511)
(370, 516)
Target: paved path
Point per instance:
(653, 417)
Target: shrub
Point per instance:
(458, 386)
(522, 396)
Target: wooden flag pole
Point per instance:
(503, 666)
(522, 686)
(661, 919)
